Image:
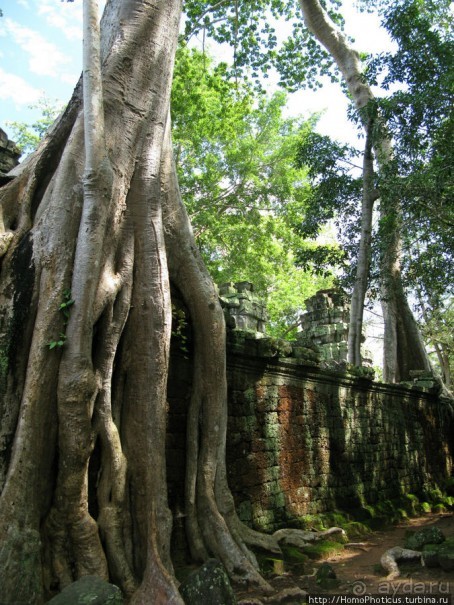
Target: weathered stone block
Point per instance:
(89, 589)
(209, 585)
(9, 154)
(427, 535)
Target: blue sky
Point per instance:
(41, 54)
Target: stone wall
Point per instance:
(9, 154)
(305, 440)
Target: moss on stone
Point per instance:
(292, 560)
(315, 522)
(209, 585)
(323, 549)
(446, 555)
(356, 529)
(428, 535)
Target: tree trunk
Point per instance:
(96, 229)
(403, 346)
(441, 350)
(443, 359)
(84, 216)
(355, 333)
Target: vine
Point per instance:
(64, 308)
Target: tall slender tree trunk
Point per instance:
(403, 346)
(443, 360)
(441, 350)
(355, 333)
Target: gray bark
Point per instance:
(84, 214)
(208, 529)
(355, 333)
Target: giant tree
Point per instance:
(235, 158)
(419, 115)
(403, 346)
(93, 230)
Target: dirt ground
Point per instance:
(358, 568)
(355, 567)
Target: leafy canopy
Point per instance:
(250, 29)
(244, 192)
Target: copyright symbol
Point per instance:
(359, 588)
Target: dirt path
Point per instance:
(358, 568)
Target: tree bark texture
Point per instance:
(403, 346)
(95, 217)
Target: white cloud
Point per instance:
(64, 16)
(366, 30)
(45, 59)
(24, 3)
(64, 19)
(15, 88)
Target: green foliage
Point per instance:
(235, 158)
(335, 197)
(28, 136)
(66, 304)
(415, 107)
(180, 328)
(249, 28)
(64, 308)
(57, 343)
(419, 116)
(437, 326)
